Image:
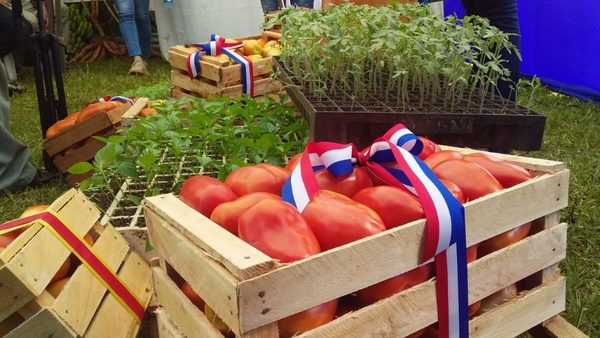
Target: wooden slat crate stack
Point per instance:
(250, 291)
(84, 307)
(217, 76)
(66, 149)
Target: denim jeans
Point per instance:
(134, 20)
(273, 5)
(502, 14)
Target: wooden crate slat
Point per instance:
(241, 259)
(166, 328)
(486, 276)
(210, 279)
(131, 114)
(535, 164)
(202, 88)
(187, 317)
(45, 323)
(233, 74)
(82, 154)
(79, 300)
(557, 327)
(12, 293)
(522, 313)
(112, 319)
(35, 271)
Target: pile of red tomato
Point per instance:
(248, 204)
(72, 119)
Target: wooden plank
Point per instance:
(177, 93)
(137, 239)
(203, 89)
(112, 319)
(82, 154)
(267, 331)
(233, 73)
(241, 259)
(34, 265)
(261, 87)
(328, 281)
(557, 327)
(210, 67)
(271, 35)
(206, 276)
(116, 114)
(45, 299)
(166, 328)
(80, 299)
(186, 316)
(134, 111)
(522, 313)
(530, 163)
(44, 324)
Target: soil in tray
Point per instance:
(121, 221)
(129, 211)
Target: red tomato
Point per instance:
(59, 127)
(472, 253)
(347, 304)
(504, 239)
(474, 308)
(205, 193)
(347, 185)
(454, 190)
(292, 162)
(394, 205)
(442, 156)
(394, 285)
(257, 178)
(473, 180)
(336, 219)
(97, 108)
(506, 173)
(228, 213)
(277, 229)
(429, 147)
(307, 319)
(192, 295)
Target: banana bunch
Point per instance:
(80, 27)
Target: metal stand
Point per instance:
(48, 75)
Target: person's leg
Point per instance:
(128, 26)
(142, 19)
(269, 6)
(502, 14)
(15, 169)
(304, 3)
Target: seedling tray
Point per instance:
(334, 116)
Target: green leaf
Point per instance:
(146, 160)
(118, 139)
(127, 168)
(80, 168)
(134, 199)
(149, 246)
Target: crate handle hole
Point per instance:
(261, 294)
(265, 311)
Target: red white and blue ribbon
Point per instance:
(445, 237)
(217, 45)
(116, 98)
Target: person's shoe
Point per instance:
(138, 66)
(42, 177)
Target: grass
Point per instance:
(572, 135)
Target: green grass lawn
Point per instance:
(572, 135)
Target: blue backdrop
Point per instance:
(560, 43)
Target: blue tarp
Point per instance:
(560, 43)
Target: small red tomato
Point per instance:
(347, 185)
(257, 178)
(204, 193)
(394, 205)
(336, 219)
(507, 174)
(307, 319)
(228, 213)
(429, 147)
(454, 190)
(393, 285)
(277, 229)
(442, 156)
(473, 180)
(504, 239)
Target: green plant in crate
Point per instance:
(219, 135)
(402, 53)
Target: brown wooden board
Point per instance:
(84, 307)
(81, 154)
(251, 303)
(206, 89)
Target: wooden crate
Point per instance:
(131, 115)
(250, 291)
(84, 307)
(56, 146)
(219, 77)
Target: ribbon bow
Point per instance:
(445, 237)
(116, 98)
(217, 45)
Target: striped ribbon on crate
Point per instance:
(217, 45)
(445, 237)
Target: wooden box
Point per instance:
(219, 77)
(84, 307)
(70, 146)
(250, 291)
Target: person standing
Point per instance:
(269, 6)
(134, 21)
(502, 14)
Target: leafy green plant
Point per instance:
(402, 53)
(219, 135)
